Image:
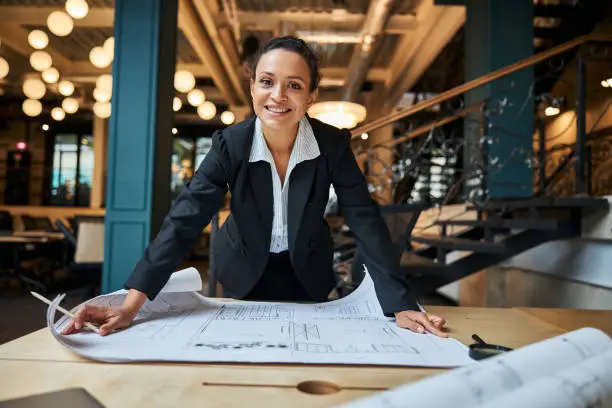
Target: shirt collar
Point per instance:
(304, 148)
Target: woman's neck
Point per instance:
(280, 141)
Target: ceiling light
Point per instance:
(101, 95)
(177, 104)
(109, 47)
(99, 58)
(60, 23)
(551, 111)
(105, 82)
(40, 60)
(50, 75)
(70, 105)
(196, 97)
(228, 117)
(66, 88)
(102, 110)
(207, 110)
(34, 88)
(58, 114)
(38, 39)
(77, 8)
(31, 107)
(607, 83)
(184, 81)
(341, 114)
(4, 68)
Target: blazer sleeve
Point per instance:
(363, 217)
(199, 200)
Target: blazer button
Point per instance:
(243, 252)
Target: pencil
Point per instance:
(61, 309)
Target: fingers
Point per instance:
(113, 324)
(437, 321)
(423, 319)
(88, 313)
(410, 325)
(70, 328)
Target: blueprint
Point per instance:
(182, 325)
(573, 370)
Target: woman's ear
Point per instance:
(312, 98)
(252, 84)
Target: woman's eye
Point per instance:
(265, 81)
(295, 85)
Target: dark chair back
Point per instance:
(36, 223)
(70, 239)
(6, 222)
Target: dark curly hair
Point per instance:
(294, 44)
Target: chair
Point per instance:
(84, 254)
(36, 223)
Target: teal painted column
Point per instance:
(140, 133)
(499, 33)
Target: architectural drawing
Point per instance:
(568, 371)
(185, 326)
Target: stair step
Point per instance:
(558, 202)
(461, 244)
(517, 223)
(410, 258)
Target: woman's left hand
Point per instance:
(419, 322)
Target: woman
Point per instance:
(275, 245)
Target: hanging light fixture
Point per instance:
(207, 110)
(109, 47)
(99, 58)
(228, 117)
(101, 95)
(4, 68)
(196, 97)
(70, 105)
(77, 8)
(184, 81)
(58, 114)
(102, 110)
(50, 75)
(60, 23)
(65, 87)
(34, 88)
(38, 39)
(31, 107)
(341, 114)
(177, 104)
(40, 60)
(105, 82)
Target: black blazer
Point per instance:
(241, 246)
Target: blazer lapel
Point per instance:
(261, 184)
(300, 184)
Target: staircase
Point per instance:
(502, 230)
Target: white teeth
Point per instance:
(277, 110)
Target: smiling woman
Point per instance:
(279, 167)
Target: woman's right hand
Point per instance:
(108, 318)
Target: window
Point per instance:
(187, 155)
(72, 170)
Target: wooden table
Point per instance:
(38, 363)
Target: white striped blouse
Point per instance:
(304, 148)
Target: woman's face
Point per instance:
(281, 89)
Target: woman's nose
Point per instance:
(279, 93)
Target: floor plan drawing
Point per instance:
(186, 326)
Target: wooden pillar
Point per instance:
(100, 138)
